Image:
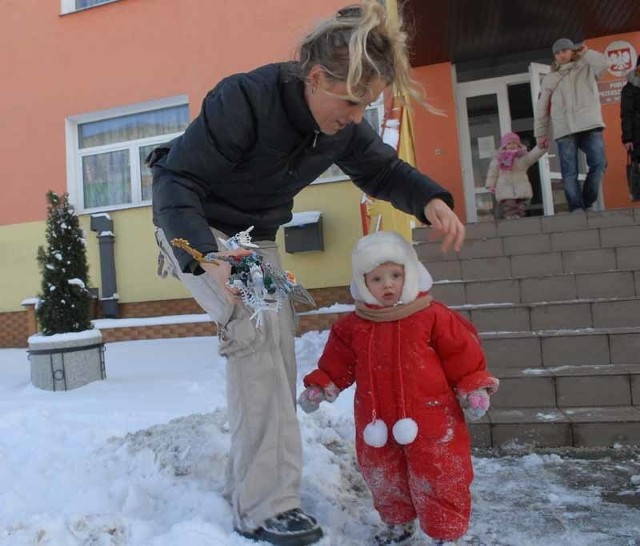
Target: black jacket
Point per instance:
(252, 148)
(630, 109)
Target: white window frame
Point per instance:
(75, 154)
(69, 6)
(378, 105)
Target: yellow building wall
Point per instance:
(339, 203)
(19, 275)
(136, 252)
(135, 255)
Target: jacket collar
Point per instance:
(377, 313)
(295, 104)
(567, 66)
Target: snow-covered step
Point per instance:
(549, 427)
(551, 348)
(451, 268)
(543, 224)
(568, 386)
(534, 243)
(159, 327)
(586, 313)
(570, 286)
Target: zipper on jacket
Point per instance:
(315, 138)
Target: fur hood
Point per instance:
(387, 246)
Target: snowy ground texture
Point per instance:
(139, 459)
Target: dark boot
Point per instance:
(291, 528)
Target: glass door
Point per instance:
(483, 116)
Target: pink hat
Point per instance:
(507, 138)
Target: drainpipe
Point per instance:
(103, 225)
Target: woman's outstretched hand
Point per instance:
(446, 224)
(220, 271)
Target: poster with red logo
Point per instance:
(622, 58)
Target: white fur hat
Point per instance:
(387, 246)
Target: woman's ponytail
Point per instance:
(359, 44)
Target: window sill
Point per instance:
(69, 10)
(111, 208)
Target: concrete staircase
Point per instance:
(557, 303)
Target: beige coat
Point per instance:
(513, 184)
(265, 460)
(569, 97)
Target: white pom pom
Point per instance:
(405, 431)
(375, 433)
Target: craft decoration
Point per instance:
(261, 286)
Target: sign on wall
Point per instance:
(610, 90)
(622, 56)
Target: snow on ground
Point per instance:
(139, 460)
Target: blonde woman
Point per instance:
(260, 138)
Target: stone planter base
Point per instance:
(66, 361)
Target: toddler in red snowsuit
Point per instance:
(415, 362)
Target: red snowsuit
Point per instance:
(412, 367)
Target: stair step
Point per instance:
(566, 386)
(535, 265)
(593, 313)
(573, 314)
(550, 348)
(550, 427)
(570, 286)
(544, 224)
(569, 370)
(535, 243)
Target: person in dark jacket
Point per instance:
(630, 112)
(260, 138)
(630, 117)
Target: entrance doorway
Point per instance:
(486, 110)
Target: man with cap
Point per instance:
(569, 108)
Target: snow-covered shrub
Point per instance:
(65, 299)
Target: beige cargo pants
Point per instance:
(265, 462)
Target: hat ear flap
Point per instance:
(360, 292)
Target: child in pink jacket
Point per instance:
(507, 176)
(415, 362)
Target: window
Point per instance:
(374, 115)
(69, 6)
(107, 152)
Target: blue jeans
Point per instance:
(592, 144)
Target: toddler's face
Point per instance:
(513, 146)
(385, 283)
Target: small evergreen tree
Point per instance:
(65, 299)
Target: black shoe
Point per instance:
(291, 528)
